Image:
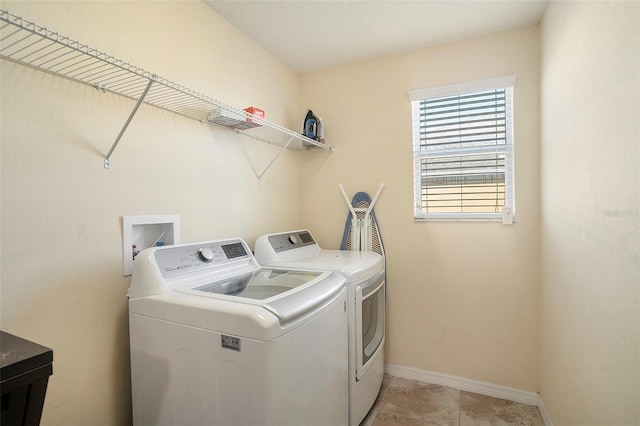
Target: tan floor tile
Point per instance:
(404, 402)
(392, 419)
(480, 410)
(424, 403)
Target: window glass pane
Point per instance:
(463, 184)
(463, 121)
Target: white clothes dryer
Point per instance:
(218, 340)
(365, 276)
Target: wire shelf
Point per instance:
(35, 46)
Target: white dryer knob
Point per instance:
(293, 239)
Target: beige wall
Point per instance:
(62, 282)
(590, 221)
(462, 297)
(466, 299)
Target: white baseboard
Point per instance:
(545, 414)
(482, 388)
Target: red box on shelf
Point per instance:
(255, 111)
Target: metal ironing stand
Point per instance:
(361, 233)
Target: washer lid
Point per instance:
(259, 285)
(261, 320)
(286, 294)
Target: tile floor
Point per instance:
(404, 402)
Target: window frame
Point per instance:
(507, 215)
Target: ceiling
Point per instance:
(311, 35)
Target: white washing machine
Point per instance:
(365, 275)
(218, 340)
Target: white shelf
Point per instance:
(32, 45)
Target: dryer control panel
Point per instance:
(291, 240)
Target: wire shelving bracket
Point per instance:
(35, 46)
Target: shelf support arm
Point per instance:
(107, 158)
(283, 149)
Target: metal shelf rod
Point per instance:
(275, 158)
(107, 158)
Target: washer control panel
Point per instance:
(178, 260)
(291, 240)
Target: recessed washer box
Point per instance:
(144, 231)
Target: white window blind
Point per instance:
(463, 151)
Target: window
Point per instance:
(463, 151)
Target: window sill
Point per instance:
(498, 218)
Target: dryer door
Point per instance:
(370, 317)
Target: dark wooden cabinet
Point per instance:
(25, 370)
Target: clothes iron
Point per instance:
(313, 128)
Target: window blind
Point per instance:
(463, 153)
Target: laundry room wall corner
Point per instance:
(61, 236)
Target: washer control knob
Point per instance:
(293, 239)
(205, 254)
